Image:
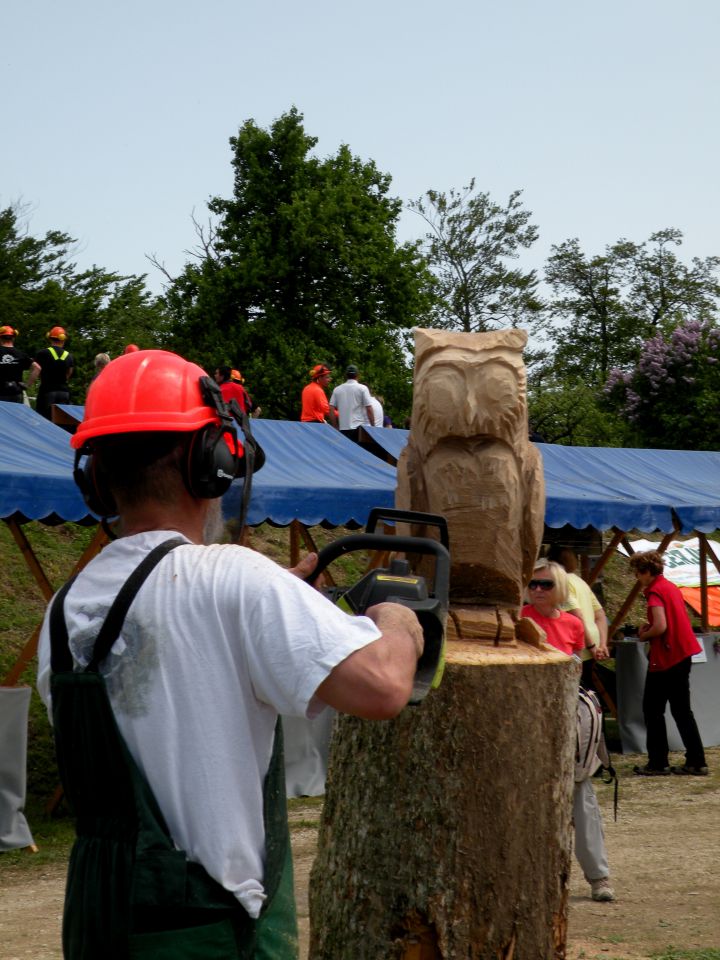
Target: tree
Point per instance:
(470, 242)
(672, 395)
(566, 411)
(30, 269)
(301, 266)
(663, 291)
(604, 307)
(40, 287)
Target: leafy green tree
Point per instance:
(301, 265)
(602, 309)
(672, 395)
(605, 306)
(562, 410)
(470, 246)
(664, 292)
(101, 311)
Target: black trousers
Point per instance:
(671, 686)
(45, 400)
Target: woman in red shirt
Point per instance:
(547, 590)
(672, 645)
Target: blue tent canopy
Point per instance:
(315, 475)
(607, 487)
(36, 465)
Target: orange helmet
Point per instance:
(319, 370)
(131, 348)
(57, 333)
(8, 332)
(237, 376)
(149, 390)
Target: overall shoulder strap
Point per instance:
(116, 615)
(60, 657)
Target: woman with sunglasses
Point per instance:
(547, 589)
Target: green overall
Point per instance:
(130, 893)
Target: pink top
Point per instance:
(565, 632)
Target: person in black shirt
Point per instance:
(55, 368)
(13, 364)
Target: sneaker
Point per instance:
(687, 771)
(601, 890)
(648, 771)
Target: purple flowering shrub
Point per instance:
(672, 396)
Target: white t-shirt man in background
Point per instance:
(353, 403)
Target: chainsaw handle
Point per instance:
(408, 516)
(380, 541)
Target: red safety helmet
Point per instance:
(149, 390)
(131, 348)
(57, 333)
(8, 332)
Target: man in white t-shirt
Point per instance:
(353, 403)
(217, 642)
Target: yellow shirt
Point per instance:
(581, 597)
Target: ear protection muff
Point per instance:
(209, 465)
(95, 493)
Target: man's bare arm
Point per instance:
(376, 682)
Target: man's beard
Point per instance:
(214, 526)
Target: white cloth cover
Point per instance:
(14, 706)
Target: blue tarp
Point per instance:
(604, 487)
(314, 474)
(36, 465)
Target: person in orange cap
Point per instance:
(56, 366)
(315, 404)
(13, 363)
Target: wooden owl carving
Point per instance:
(469, 458)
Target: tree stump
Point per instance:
(446, 832)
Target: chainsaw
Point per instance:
(397, 584)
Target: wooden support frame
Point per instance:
(618, 537)
(704, 616)
(630, 599)
(30, 559)
(30, 649)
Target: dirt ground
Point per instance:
(664, 853)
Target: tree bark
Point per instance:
(446, 832)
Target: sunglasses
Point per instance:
(541, 585)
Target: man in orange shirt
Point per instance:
(315, 405)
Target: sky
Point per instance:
(116, 117)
